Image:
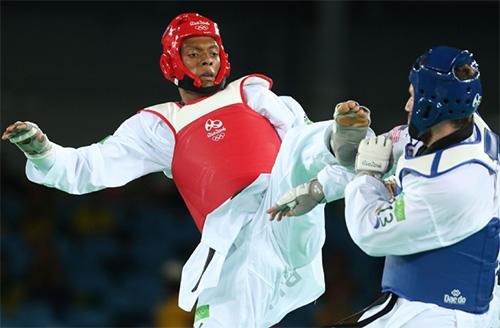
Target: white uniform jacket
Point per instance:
(432, 212)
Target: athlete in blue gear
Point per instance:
(440, 233)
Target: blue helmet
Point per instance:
(439, 95)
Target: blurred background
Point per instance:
(78, 69)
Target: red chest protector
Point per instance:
(221, 147)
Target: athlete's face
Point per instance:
(200, 54)
(409, 103)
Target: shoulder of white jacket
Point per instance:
(163, 106)
(164, 109)
(252, 80)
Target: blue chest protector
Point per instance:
(460, 276)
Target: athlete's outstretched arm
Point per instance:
(141, 145)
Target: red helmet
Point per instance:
(182, 27)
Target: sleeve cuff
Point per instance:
(43, 162)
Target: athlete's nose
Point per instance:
(206, 59)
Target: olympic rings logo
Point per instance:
(218, 137)
(201, 27)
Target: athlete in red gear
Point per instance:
(231, 151)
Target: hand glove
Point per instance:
(28, 137)
(298, 201)
(351, 125)
(374, 156)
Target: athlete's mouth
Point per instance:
(208, 76)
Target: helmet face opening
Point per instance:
(440, 95)
(180, 28)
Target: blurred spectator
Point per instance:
(167, 313)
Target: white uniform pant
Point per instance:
(274, 267)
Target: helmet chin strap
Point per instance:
(412, 130)
(187, 83)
